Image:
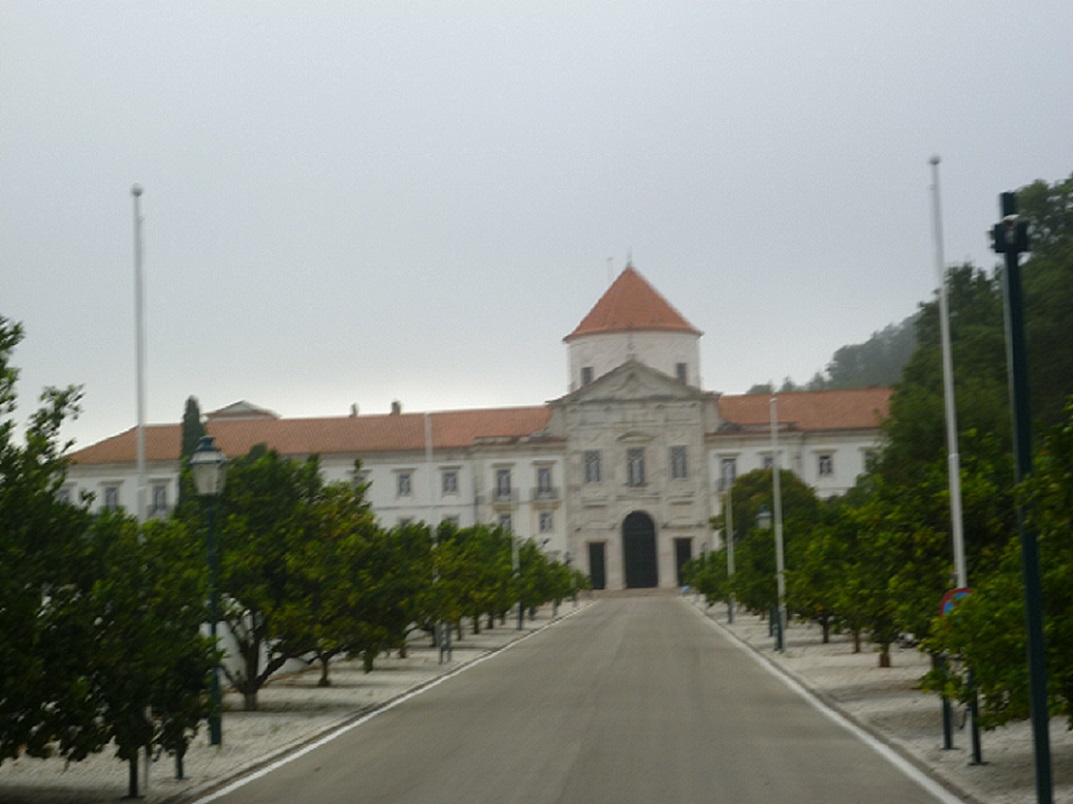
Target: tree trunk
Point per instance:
(491, 621)
(825, 623)
(249, 700)
(132, 777)
(856, 640)
(476, 624)
(884, 654)
(324, 680)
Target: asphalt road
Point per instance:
(632, 700)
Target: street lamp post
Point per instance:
(516, 566)
(728, 480)
(1010, 238)
(207, 465)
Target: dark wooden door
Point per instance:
(639, 551)
(683, 551)
(597, 566)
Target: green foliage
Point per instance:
(328, 558)
(192, 431)
(39, 547)
(876, 362)
(1047, 279)
(145, 608)
(99, 618)
(707, 575)
(753, 584)
(267, 508)
(987, 632)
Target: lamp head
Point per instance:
(207, 463)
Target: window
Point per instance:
(64, 495)
(449, 481)
(506, 522)
(547, 522)
(635, 467)
(453, 521)
(361, 478)
(160, 498)
(728, 473)
(679, 467)
(503, 484)
(586, 375)
(111, 498)
(592, 466)
(404, 484)
(681, 371)
(826, 465)
(769, 462)
(404, 521)
(543, 481)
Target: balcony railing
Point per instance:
(542, 493)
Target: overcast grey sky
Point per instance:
(359, 202)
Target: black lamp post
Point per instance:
(776, 621)
(1010, 238)
(207, 464)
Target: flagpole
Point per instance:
(953, 457)
(139, 344)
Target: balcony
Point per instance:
(545, 494)
(504, 496)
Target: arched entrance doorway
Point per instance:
(639, 551)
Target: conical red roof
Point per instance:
(632, 305)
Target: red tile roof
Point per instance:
(802, 410)
(631, 305)
(323, 436)
(863, 408)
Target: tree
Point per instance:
(754, 583)
(986, 630)
(325, 559)
(192, 431)
(143, 604)
(876, 362)
(98, 619)
(39, 545)
(1048, 295)
(813, 584)
(267, 505)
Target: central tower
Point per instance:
(634, 425)
(632, 321)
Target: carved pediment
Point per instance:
(636, 437)
(634, 381)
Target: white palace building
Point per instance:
(620, 475)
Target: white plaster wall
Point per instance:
(94, 479)
(660, 350)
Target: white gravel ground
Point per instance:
(887, 703)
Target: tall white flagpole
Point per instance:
(953, 457)
(139, 341)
